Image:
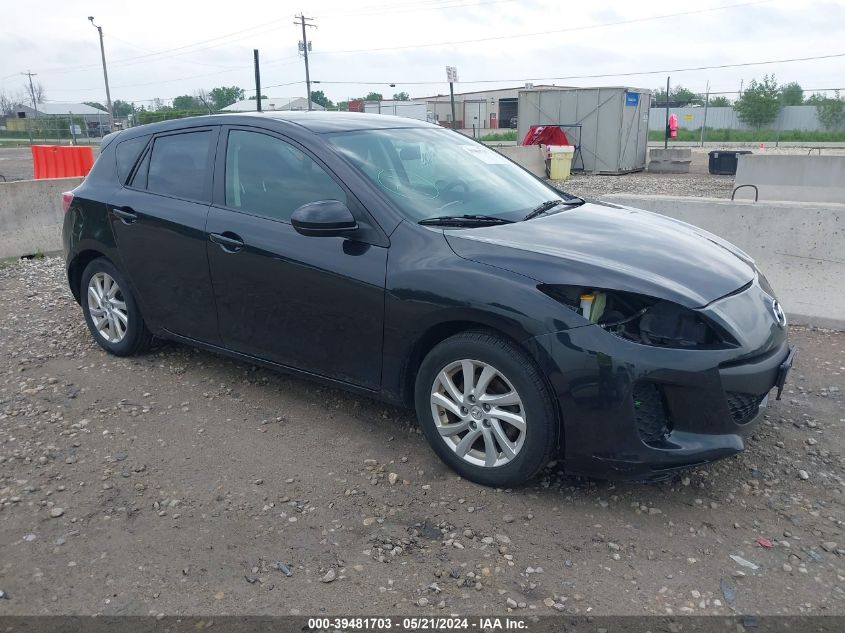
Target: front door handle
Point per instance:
(126, 215)
(228, 241)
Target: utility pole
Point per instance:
(452, 77)
(30, 75)
(105, 73)
(666, 131)
(257, 81)
(706, 104)
(304, 46)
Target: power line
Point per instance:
(394, 8)
(165, 52)
(551, 32)
(599, 76)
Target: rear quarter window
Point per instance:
(127, 153)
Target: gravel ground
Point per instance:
(702, 186)
(180, 482)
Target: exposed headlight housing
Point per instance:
(642, 319)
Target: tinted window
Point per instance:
(127, 154)
(178, 165)
(269, 177)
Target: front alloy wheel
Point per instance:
(485, 408)
(478, 413)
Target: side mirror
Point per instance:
(325, 218)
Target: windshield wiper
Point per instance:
(548, 205)
(464, 220)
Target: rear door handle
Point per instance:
(228, 241)
(126, 215)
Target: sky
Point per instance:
(163, 49)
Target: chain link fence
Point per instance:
(55, 130)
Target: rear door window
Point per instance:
(178, 166)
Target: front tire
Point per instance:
(484, 407)
(110, 310)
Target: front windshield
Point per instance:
(430, 173)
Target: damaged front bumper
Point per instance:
(632, 411)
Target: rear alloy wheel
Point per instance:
(107, 307)
(110, 310)
(485, 409)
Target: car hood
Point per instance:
(611, 247)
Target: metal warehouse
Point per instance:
(482, 110)
(608, 126)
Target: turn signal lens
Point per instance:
(67, 199)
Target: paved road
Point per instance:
(173, 482)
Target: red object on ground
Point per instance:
(356, 105)
(673, 125)
(764, 542)
(61, 161)
(545, 135)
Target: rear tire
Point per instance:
(484, 407)
(110, 310)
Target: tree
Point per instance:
(760, 103)
(829, 110)
(225, 96)
(96, 104)
(320, 98)
(402, 96)
(8, 104)
(121, 108)
(678, 97)
(720, 102)
(792, 94)
(205, 100)
(374, 96)
(185, 102)
(38, 92)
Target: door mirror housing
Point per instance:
(325, 218)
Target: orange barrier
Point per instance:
(61, 161)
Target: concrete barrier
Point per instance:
(800, 247)
(529, 156)
(790, 177)
(674, 160)
(31, 215)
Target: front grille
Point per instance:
(743, 406)
(653, 423)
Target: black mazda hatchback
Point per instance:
(409, 263)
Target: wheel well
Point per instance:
(74, 271)
(432, 337)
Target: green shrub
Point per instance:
(509, 135)
(753, 136)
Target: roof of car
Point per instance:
(314, 121)
(327, 121)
